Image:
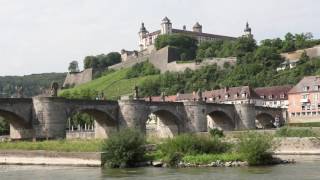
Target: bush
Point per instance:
(124, 149)
(216, 133)
(256, 148)
(172, 150)
(295, 132)
(142, 69)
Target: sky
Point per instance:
(38, 36)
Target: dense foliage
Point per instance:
(31, 84)
(172, 150)
(4, 126)
(124, 148)
(256, 148)
(142, 69)
(102, 61)
(186, 46)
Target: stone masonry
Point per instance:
(46, 117)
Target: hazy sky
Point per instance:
(39, 36)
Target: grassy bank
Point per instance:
(113, 85)
(55, 145)
(297, 132)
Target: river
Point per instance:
(301, 170)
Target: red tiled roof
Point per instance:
(273, 92)
(308, 81)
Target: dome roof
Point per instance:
(197, 25)
(166, 20)
(143, 29)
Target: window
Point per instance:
(262, 97)
(314, 113)
(303, 113)
(316, 88)
(308, 113)
(293, 114)
(298, 113)
(271, 96)
(305, 88)
(244, 95)
(303, 107)
(226, 96)
(305, 96)
(282, 96)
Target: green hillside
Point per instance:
(31, 84)
(113, 85)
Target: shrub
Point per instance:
(172, 150)
(142, 69)
(256, 148)
(124, 149)
(216, 133)
(295, 132)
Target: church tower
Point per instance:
(247, 31)
(142, 36)
(166, 26)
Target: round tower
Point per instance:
(166, 26)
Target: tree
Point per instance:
(244, 45)
(73, 67)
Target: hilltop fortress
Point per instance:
(166, 59)
(147, 40)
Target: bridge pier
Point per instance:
(133, 114)
(50, 117)
(196, 112)
(245, 116)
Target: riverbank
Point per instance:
(299, 149)
(38, 157)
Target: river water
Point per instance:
(301, 171)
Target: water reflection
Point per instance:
(307, 170)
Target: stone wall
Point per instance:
(166, 59)
(178, 67)
(295, 145)
(80, 135)
(74, 79)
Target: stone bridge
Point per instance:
(46, 117)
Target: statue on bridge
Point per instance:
(199, 95)
(19, 92)
(136, 92)
(54, 89)
(163, 96)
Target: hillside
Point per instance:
(31, 84)
(113, 85)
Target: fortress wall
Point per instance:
(129, 62)
(165, 60)
(74, 79)
(174, 66)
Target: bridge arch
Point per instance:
(220, 119)
(104, 122)
(264, 120)
(19, 126)
(163, 123)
